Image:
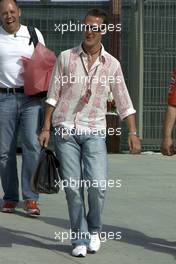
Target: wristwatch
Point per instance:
(132, 133)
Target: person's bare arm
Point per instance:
(167, 146)
(45, 133)
(133, 140)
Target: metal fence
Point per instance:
(159, 61)
(159, 52)
(48, 16)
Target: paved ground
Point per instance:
(143, 210)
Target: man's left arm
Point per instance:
(125, 108)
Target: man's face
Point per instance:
(9, 16)
(92, 38)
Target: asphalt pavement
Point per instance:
(139, 219)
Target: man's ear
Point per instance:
(19, 12)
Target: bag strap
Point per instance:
(33, 36)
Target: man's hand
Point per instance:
(133, 141)
(43, 138)
(167, 147)
(134, 144)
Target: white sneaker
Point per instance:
(94, 244)
(79, 251)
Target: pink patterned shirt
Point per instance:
(72, 84)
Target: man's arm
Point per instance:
(125, 109)
(45, 133)
(167, 146)
(133, 140)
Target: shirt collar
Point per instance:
(102, 55)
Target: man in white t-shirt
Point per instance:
(18, 112)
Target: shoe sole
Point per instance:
(79, 256)
(91, 251)
(8, 211)
(32, 213)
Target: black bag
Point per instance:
(46, 177)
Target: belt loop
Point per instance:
(14, 91)
(8, 90)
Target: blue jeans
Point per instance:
(83, 157)
(24, 114)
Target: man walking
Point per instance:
(17, 111)
(76, 102)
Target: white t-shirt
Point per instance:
(12, 48)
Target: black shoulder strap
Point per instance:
(33, 35)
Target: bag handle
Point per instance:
(33, 35)
(51, 152)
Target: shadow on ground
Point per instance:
(133, 237)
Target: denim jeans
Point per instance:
(19, 113)
(83, 157)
